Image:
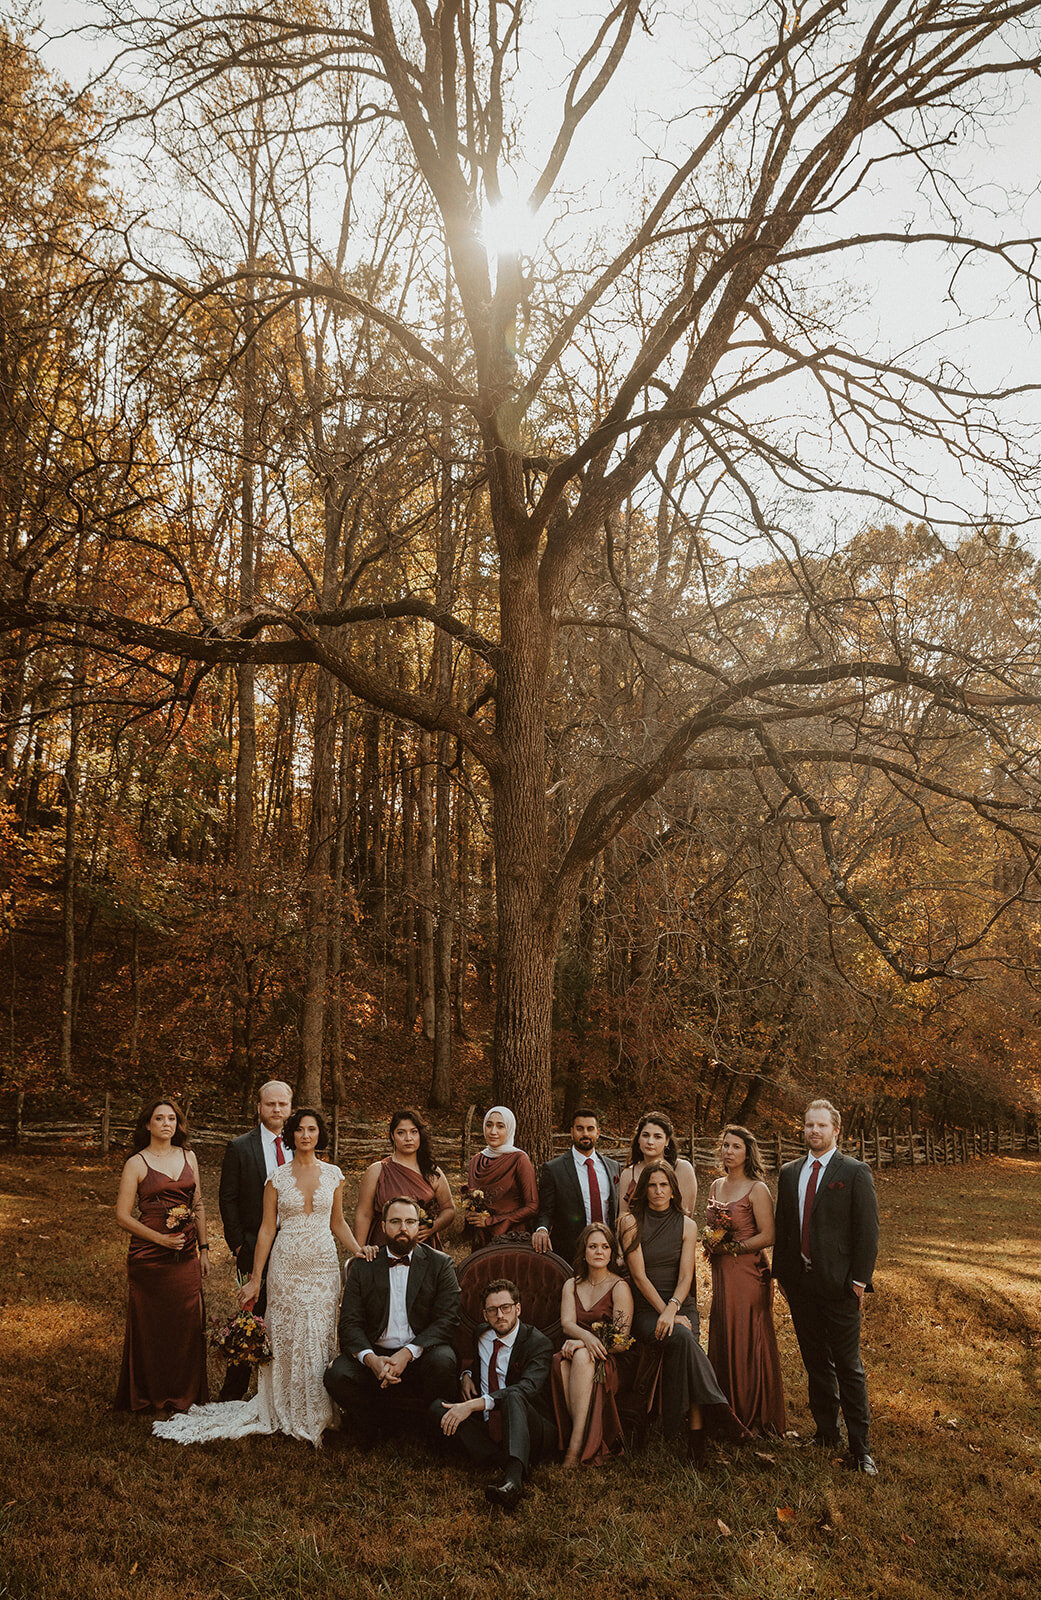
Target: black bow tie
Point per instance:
(401, 1261)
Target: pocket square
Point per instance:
(838, 1184)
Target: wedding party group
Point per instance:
(345, 1355)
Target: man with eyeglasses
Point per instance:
(503, 1419)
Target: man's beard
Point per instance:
(585, 1144)
(400, 1246)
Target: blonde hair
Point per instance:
(826, 1105)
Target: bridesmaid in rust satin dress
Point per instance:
(164, 1349)
(585, 1373)
(506, 1178)
(742, 1344)
(411, 1173)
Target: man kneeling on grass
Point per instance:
(503, 1419)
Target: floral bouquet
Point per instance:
(428, 1215)
(475, 1209)
(719, 1239)
(242, 1339)
(614, 1334)
(181, 1218)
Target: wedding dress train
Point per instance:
(303, 1292)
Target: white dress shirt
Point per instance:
(398, 1334)
(583, 1180)
(267, 1139)
(485, 1344)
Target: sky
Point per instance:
(903, 299)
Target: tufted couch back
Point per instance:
(539, 1278)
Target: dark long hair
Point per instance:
(753, 1159)
(424, 1155)
(141, 1136)
(661, 1121)
(293, 1121)
(581, 1265)
(638, 1205)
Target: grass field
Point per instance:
(92, 1506)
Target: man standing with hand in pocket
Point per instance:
(824, 1256)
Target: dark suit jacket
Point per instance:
(561, 1205)
(241, 1195)
(431, 1300)
(843, 1226)
(529, 1365)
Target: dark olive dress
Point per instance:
(164, 1351)
(687, 1377)
(742, 1344)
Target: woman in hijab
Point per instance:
(502, 1195)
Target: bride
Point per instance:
(303, 1216)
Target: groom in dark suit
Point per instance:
(248, 1163)
(397, 1318)
(575, 1189)
(824, 1254)
(503, 1419)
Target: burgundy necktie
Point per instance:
(280, 1155)
(596, 1210)
(811, 1190)
(494, 1385)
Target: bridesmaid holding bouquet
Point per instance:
(742, 1344)
(164, 1351)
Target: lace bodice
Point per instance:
(292, 1207)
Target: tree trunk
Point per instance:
(71, 785)
(525, 947)
(425, 916)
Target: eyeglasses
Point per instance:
(499, 1311)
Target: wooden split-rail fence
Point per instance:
(355, 1143)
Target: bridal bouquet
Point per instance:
(475, 1209)
(242, 1339)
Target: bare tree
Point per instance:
(701, 319)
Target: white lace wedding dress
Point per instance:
(303, 1292)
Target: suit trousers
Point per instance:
(357, 1392)
(527, 1435)
(828, 1331)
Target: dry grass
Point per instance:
(94, 1507)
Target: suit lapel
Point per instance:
(381, 1283)
(829, 1174)
(256, 1150)
(416, 1274)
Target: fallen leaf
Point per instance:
(133, 1569)
(761, 1455)
(785, 1514)
(906, 1537)
(724, 1530)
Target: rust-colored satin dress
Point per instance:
(394, 1179)
(164, 1351)
(742, 1344)
(604, 1431)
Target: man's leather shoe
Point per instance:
(505, 1494)
(866, 1465)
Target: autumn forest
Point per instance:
(604, 664)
